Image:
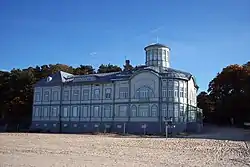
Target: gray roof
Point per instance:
(63, 77)
(156, 45)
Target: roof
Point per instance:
(63, 77)
(156, 45)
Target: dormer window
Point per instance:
(49, 79)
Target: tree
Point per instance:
(229, 91)
(84, 70)
(108, 68)
(204, 102)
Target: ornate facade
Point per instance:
(131, 101)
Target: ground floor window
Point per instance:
(123, 111)
(84, 113)
(107, 111)
(154, 110)
(96, 112)
(133, 111)
(143, 110)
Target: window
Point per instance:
(164, 110)
(123, 92)
(170, 82)
(123, 110)
(170, 110)
(181, 110)
(185, 93)
(143, 110)
(36, 112)
(176, 84)
(154, 111)
(84, 111)
(176, 112)
(107, 111)
(144, 92)
(96, 94)
(65, 112)
(182, 92)
(164, 83)
(133, 111)
(164, 92)
(66, 95)
(176, 93)
(54, 112)
(45, 112)
(46, 96)
(75, 111)
(108, 93)
(96, 111)
(37, 96)
(192, 116)
(170, 93)
(55, 95)
(76, 95)
(85, 94)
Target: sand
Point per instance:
(61, 150)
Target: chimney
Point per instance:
(127, 65)
(127, 62)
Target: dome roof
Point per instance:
(156, 45)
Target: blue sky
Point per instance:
(204, 36)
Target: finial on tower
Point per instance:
(157, 39)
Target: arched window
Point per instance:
(133, 111)
(144, 92)
(154, 111)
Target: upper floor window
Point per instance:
(37, 96)
(108, 93)
(76, 95)
(123, 92)
(96, 94)
(46, 96)
(185, 93)
(164, 92)
(66, 95)
(170, 82)
(85, 94)
(176, 93)
(55, 95)
(144, 92)
(170, 93)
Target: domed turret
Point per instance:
(157, 55)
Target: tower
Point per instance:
(157, 55)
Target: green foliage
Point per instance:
(228, 95)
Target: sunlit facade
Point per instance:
(132, 101)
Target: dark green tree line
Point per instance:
(228, 96)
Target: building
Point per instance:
(131, 101)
